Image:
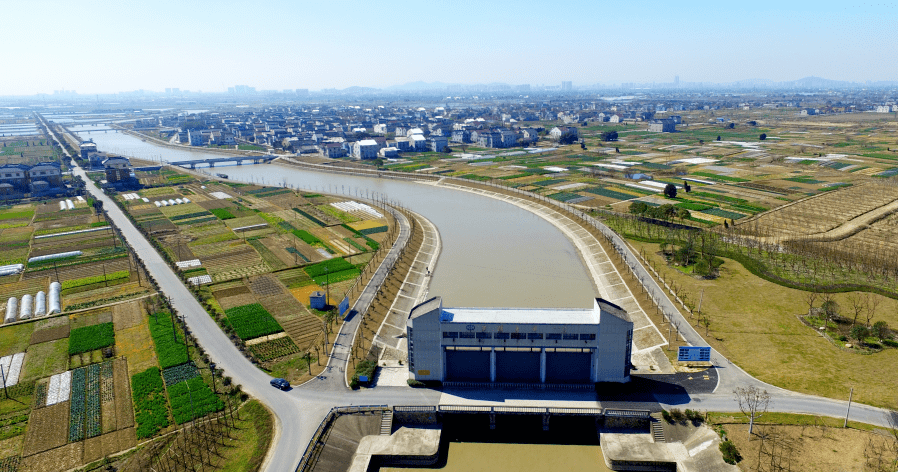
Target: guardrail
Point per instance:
(627, 413)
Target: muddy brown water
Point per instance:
(487, 457)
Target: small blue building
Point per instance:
(317, 300)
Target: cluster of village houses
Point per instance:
(371, 133)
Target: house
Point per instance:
(402, 144)
(615, 118)
(530, 135)
(87, 148)
(332, 150)
(380, 129)
(417, 142)
(365, 149)
(557, 132)
(195, 137)
(883, 109)
(14, 178)
(438, 143)
(45, 176)
(388, 152)
(117, 169)
(461, 136)
(663, 126)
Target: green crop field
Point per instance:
(171, 351)
(604, 192)
(89, 338)
(150, 405)
(330, 266)
(193, 399)
(251, 321)
(222, 213)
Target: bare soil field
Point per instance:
(48, 428)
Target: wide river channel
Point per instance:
(494, 254)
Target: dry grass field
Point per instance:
(755, 324)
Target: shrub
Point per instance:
(415, 383)
(666, 415)
(89, 338)
(677, 415)
(363, 368)
(890, 343)
(730, 454)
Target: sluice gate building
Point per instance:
(541, 346)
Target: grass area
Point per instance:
(754, 323)
(46, 359)
(254, 432)
(133, 343)
(292, 368)
(14, 339)
(89, 338)
(788, 419)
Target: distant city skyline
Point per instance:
(101, 47)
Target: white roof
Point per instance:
(417, 137)
(367, 142)
(565, 316)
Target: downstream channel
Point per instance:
(494, 254)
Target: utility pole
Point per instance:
(850, 394)
(3, 373)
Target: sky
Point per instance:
(123, 45)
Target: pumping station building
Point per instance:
(542, 346)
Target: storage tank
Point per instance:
(12, 306)
(26, 308)
(171, 202)
(179, 201)
(69, 204)
(186, 200)
(158, 204)
(54, 299)
(61, 205)
(40, 304)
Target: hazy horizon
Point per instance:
(107, 47)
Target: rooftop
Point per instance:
(566, 316)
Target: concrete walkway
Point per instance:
(413, 291)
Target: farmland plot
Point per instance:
(252, 321)
(823, 213)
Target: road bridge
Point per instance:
(219, 160)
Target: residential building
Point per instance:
(663, 126)
(438, 143)
(365, 149)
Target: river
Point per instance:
(494, 254)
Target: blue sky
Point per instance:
(110, 46)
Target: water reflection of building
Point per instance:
(519, 345)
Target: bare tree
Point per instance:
(857, 302)
(810, 298)
(873, 302)
(753, 402)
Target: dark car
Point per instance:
(280, 383)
